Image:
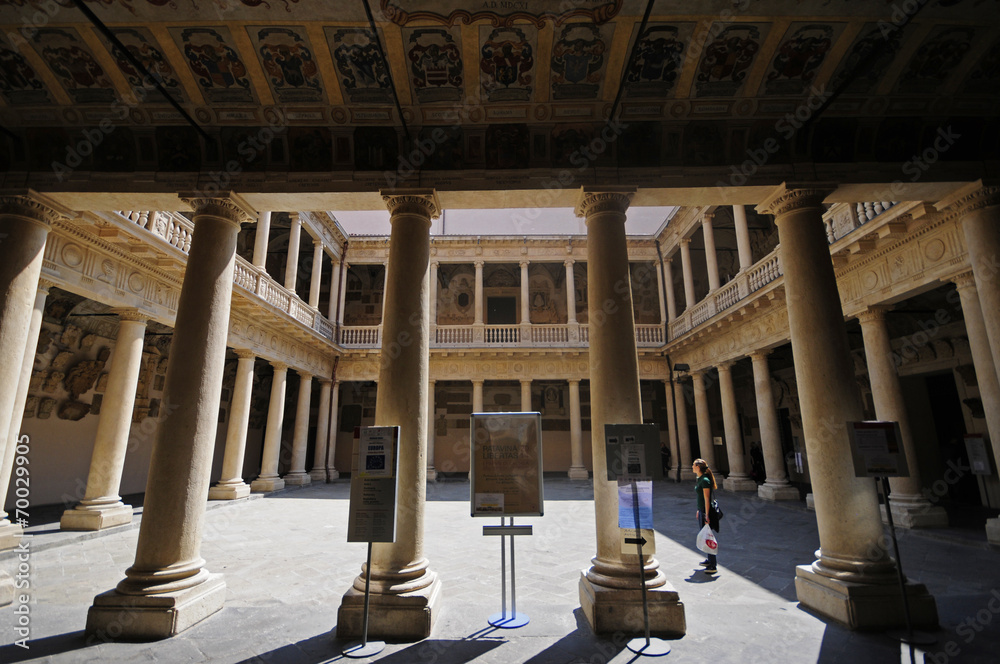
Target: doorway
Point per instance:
(501, 311)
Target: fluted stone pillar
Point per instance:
(101, 506)
(570, 292)
(609, 591)
(297, 475)
(525, 395)
(318, 471)
(577, 471)
(480, 305)
(525, 295)
(331, 468)
(776, 486)
(317, 274)
(689, 298)
(231, 485)
(477, 396)
(292, 264)
(910, 508)
(738, 480)
(742, 237)
(683, 432)
(706, 443)
(261, 238)
(669, 288)
(854, 579)
(168, 589)
(431, 434)
(269, 480)
(405, 592)
(711, 259)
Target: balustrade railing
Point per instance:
(502, 334)
(550, 334)
(362, 335)
(765, 271)
(868, 210)
(649, 335)
(453, 335)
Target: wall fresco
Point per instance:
(938, 56)
(659, 57)
(72, 62)
(216, 65)
(579, 60)
(799, 55)
(507, 61)
(435, 59)
(499, 13)
(19, 84)
(360, 70)
(727, 59)
(289, 64)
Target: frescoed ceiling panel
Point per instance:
(580, 54)
(19, 83)
(799, 56)
(289, 62)
(435, 66)
(507, 62)
(941, 52)
(143, 46)
(660, 56)
(727, 58)
(217, 66)
(73, 63)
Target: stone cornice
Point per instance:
(786, 198)
(229, 208)
(973, 196)
(419, 202)
(597, 201)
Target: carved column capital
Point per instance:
(964, 280)
(420, 202)
(787, 198)
(707, 218)
(683, 242)
(524, 263)
(304, 375)
(876, 312)
(133, 315)
(604, 200)
(44, 285)
(761, 354)
(726, 366)
(245, 354)
(569, 262)
(972, 197)
(479, 264)
(228, 207)
(279, 366)
(28, 207)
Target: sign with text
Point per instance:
(372, 515)
(979, 456)
(877, 449)
(506, 465)
(633, 452)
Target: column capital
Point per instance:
(875, 312)
(479, 263)
(569, 262)
(44, 285)
(245, 354)
(28, 205)
(604, 199)
(324, 381)
(573, 381)
(707, 218)
(432, 381)
(318, 243)
(972, 197)
(304, 375)
(524, 263)
(228, 207)
(420, 202)
(726, 366)
(964, 280)
(683, 242)
(788, 197)
(435, 264)
(279, 366)
(294, 217)
(761, 354)
(133, 315)
(525, 381)
(478, 381)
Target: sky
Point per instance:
(514, 221)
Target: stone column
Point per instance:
(776, 486)
(477, 396)
(742, 237)
(661, 291)
(689, 298)
(342, 299)
(669, 288)
(268, 480)
(297, 475)
(910, 508)
(433, 297)
(738, 479)
(292, 265)
(854, 579)
(711, 260)
(405, 592)
(480, 304)
(167, 587)
(525, 295)
(570, 292)
(231, 486)
(317, 274)
(683, 432)
(577, 471)
(331, 310)
(331, 469)
(526, 395)
(101, 506)
(609, 592)
(318, 471)
(986, 373)
(675, 457)
(261, 238)
(706, 444)
(431, 434)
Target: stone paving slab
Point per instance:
(286, 565)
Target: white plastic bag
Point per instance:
(706, 540)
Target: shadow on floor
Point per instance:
(38, 648)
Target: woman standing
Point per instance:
(704, 486)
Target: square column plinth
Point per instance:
(148, 617)
(612, 610)
(775, 493)
(10, 535)
(404, 617)
(739, 484)
(267, 485)
(229, 491)
(96, 519)
(864, 606)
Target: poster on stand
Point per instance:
(506, 464)
(372, 516)
(877, 449)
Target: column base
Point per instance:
(95, 519)
(229, 491)
(993, 531)
(776, 492)
(297, 479)
(810, 502)
(687, 474)
(432, 475)
(613, 610)
(318, 475)
(743, 483)
(115, 616)
(579, 473)
(404, 617)
(332, 474)
(909, 515)
(267, 484)
(6, 588)
(864, 606)
(10, 535)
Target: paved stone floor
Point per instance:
(286, 566)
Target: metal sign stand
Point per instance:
(505, 620)
(361, 649)
(648, 647)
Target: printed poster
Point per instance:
(506, 468)
(372, 516)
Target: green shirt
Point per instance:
(702, 483)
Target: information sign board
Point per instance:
(979, 457)
(877, 449)
(506, 464)
(632, 452)
(372, 515)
